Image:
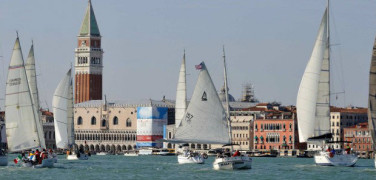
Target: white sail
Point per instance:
(313, 101)
(32, 81)
(70, 116)
(21, 127)
(205, 119)
(181, 95)
(62, 109)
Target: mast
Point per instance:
(328, 49)
(226, 95)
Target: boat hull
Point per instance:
(232, 163)
(323, 159)
(46, 163)
(3, 160)
(74, 157)
(190, 160)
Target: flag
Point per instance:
(198, 67)
(17, 159)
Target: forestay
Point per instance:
(205, 120)
(21, 127)
(313, 101)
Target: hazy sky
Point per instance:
(268, 43)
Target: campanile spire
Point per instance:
(88, 59)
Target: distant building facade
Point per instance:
(114, 127)
(48, 129)
(341, 118)
(360, 137)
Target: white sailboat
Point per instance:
(62, 103)
(232, 162)
(372, 99)
(204, 121)
(313, 101)
(180, 108)
(22, 119)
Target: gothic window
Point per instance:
(116, 121)
(129, 122)
(93, 121)
(103, 123)
(79, 121)
(290, 125)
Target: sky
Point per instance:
(267, 42)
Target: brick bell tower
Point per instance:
(88, 60)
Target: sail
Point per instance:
(70, 115)
(372, 96)
(61, 108)
(21, 127)
(181, 95)
(32, 81)
(205, 119)
(313, 100)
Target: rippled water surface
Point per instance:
(160, 167)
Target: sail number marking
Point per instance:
(14, 82)
(188, 117)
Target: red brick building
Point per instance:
(361, 139)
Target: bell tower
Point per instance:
(88, 60)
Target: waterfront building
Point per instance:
(341, 118)
(88, 60)
(360, 138)
(115, 127)
(47, 118)
(277, 130)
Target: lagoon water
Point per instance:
(166, 167)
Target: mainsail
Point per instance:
(21, 120)
(313, 101)
(205, 120)
(372, 96)
(62, 104)
(32, 81)
(181, 95)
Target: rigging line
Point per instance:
(338, 60)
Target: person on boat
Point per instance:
(237, 153)
(32, 157)
(24, 158)
(328, 150)
(43, 155)
(348, 149)
(38, 156)
(227, 152)
(332, 153)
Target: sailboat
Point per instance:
(23, 125)
(232, 162)
(313, 101)
(180, 108)
(372, 99)
(62, 103)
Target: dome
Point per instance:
(222, 95)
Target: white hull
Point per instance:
(45, 163)
(232, 163)
(145, 152)
(101, 153)
(323, 159)
(3, 160)
(375, 161)
(131, 154)
(190, 160)
(74, 157)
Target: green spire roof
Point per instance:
(89, 26)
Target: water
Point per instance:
(166, 167)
